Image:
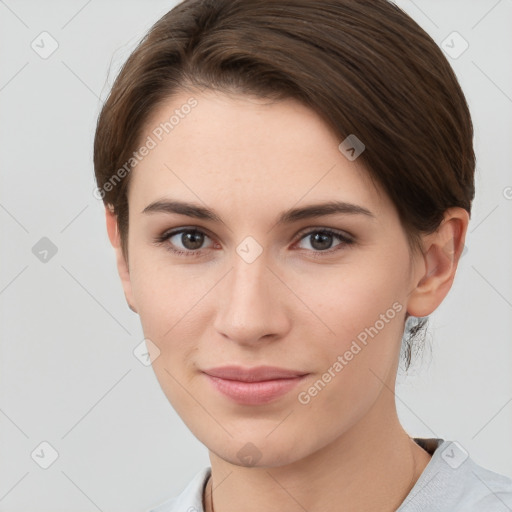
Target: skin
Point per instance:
(249, 160)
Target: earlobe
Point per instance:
(112, 229)
(122, 265)
(436, 269)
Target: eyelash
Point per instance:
(343, 238)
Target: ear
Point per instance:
(122, 264)
(435, 269)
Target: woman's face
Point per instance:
(262, 276)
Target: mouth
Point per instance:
(253, 386)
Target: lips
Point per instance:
(256, 374)
(253, 386)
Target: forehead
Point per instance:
(242, 149)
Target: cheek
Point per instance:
(164, 293)
(170, 303)
(366, 315)
(363, 305)
(353, 297)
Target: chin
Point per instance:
(258, 450)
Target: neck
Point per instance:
(372, 466)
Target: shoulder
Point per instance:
(190, 499)
(454, 482)
(491, 491)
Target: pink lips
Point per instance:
(252, 386)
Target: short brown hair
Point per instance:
(364, 66)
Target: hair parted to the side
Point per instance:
(364, 66)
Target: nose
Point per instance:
(251, 305)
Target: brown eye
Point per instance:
(184, 241)
(322, 240)
(192, 240)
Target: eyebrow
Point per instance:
(287, 217)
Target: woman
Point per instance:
(286, 184)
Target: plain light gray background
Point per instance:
(68, 375)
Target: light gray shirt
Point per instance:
(451, 482)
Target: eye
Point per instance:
(185, 241)
(321, 240)
(190, 241)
